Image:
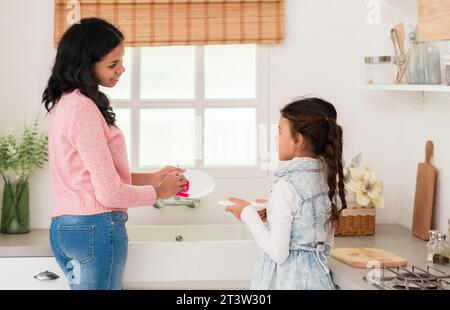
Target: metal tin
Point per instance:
(378, 59)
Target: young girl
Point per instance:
(302, 211)
(90, 177)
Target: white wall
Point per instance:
(323, 53)
(26, 56)
(416, 124)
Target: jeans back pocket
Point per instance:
(77, 242)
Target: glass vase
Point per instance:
(15, 218)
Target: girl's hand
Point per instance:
(237, 208)
(161, 174)
(173, 183)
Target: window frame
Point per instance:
(200, 103)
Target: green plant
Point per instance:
(18, 161)
(24, 158)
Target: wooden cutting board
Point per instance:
(360, 257)
(434, 20)
(424, 197)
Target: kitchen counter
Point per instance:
(35, 243)
(392, 238)
(389, 237)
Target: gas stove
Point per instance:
(409, 279)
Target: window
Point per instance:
(194, 106)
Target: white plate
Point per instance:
(201, 184)
(258, 206)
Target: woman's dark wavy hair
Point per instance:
(81, 46)
(315, 120)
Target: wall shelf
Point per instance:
(442, 88)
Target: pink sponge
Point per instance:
(184, 193)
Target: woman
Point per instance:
(90, 176)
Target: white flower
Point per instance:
(366, 187)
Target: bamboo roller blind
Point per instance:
(182, 22)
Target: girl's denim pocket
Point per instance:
(77, 242)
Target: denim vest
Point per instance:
(310, 231)
(306, 266)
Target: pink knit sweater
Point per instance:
(88, 162)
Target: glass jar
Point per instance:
(15, 215)
(447, 68)
(430, 245)
(379, 70)
(448, 240)
(415, 67)
(447, 247)
(432, 63)
(439, 256)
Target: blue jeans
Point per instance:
(91, 249)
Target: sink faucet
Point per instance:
(177, 201)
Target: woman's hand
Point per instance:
(159, 176)
(237, 208)
(153, 178)
(173, 183)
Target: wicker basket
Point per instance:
(356, 221)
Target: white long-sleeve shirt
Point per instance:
(283, 207)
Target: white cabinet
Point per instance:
(18, 273)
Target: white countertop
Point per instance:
(389, 237)
(35, 243)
